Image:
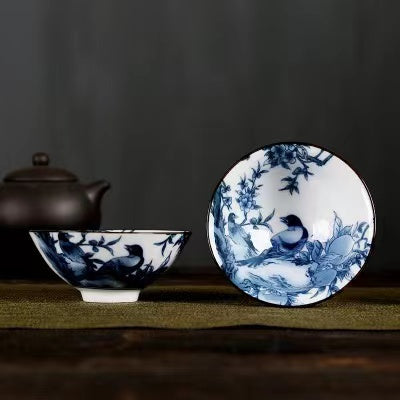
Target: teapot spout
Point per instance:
(96, 190)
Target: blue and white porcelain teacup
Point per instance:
(291, 224)
(109, 266)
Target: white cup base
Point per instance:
(109, 295)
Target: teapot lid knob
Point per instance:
(40, 159)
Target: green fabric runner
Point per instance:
(29, 305)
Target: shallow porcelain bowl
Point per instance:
(109, 266)
(291, 224)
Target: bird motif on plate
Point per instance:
(285, 244)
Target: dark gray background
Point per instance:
(161, 97)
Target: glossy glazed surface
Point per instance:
(291, 224)
(120, 259)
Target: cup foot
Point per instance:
(109, 295)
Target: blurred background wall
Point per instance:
(160, 97)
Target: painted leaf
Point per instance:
(337, 225)
(317, 250)
(345, 231)
(297, 171)
(114, 241)
(270, 216)
(109, 249)
(267, 225)
(310, 246)
(361, 227)
(166, 261)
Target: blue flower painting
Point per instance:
(295, 158)
(92, 261)
(283, 257)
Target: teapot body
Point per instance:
(44, 205)
(42, 197)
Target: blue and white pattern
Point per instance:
(285, 249)
(295, 158)
(109, 259)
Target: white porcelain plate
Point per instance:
(291, 224)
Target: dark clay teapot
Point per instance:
(42, 197)
(45, 197)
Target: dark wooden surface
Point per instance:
(240, 363)
(212, 364)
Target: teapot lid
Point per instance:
(40, 172)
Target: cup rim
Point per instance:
(116, 231)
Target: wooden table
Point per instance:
(198, 364)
